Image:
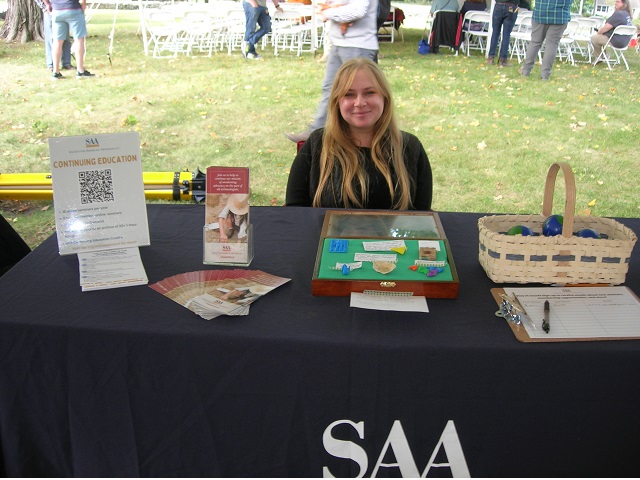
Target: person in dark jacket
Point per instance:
(361, 159)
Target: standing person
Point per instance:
(353, 32)
(66, 45)
(621, 16)
(68, 17)
(361, 159)
(550, 19)
(505, 13)
(256, 13)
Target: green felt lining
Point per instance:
(366, 272)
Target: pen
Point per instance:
(546, 325)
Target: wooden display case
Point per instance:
(411, 247)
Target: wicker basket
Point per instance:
(563, 259)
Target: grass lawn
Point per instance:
(490, 134)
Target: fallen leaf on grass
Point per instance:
(592, 203)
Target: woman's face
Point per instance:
(619, 4)
(363, 104)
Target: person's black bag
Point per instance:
(384, 9)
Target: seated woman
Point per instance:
(361, 159)
(621, 16)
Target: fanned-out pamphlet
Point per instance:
(211, 293)
(227, 235)
(99, 203)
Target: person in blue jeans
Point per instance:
(256, 13)
(68, 19)
(503, 19)
(359, 40)
(48, 37)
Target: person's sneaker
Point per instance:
(56, 76)
(68, 67)
(489, 60)
(503, 62)
(84, 74)
(253, 56)
(298, 137)
(522, 72)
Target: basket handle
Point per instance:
(570, 195)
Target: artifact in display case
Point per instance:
(384, 252)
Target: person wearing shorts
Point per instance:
(68, 19)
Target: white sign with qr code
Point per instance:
(98, 192)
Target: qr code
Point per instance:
(96, 186)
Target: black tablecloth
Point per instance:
(125, 382)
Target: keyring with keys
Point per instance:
(509, 309)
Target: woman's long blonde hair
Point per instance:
(340, 150)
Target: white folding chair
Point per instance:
(520, 37)
(623, 30)
(582, 46)
(163, 31)
(565, 46)
(475, 30)
(233, 36)
(290, 31)
(194, 31)
(388, 28)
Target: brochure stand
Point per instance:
(227, 233)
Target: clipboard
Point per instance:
(571, 322)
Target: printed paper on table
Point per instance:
(98, 192)
(227, 229)
(113, 268)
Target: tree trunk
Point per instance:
(23, 22)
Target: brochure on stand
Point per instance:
(227, 235)
(98, 192)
